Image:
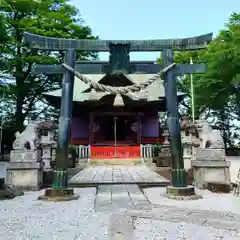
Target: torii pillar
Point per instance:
(179, 186)
(60, 189)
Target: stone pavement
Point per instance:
(119, 196)
(132, 202)
(129, 205)
(118, 175)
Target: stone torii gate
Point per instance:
(118, 63)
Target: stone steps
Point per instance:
(94, 176)
(116, 161)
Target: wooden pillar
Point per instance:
(65, 118)
(60, 174)
(115, 136)
(172, 111)
(90, 137)
(139, 129)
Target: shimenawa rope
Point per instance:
(118, 90)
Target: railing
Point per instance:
(93, 152)
(147, 151)
(104, 152)
(83, 152)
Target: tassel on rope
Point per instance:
(118, 101)
(93, 95)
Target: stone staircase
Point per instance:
(116, 161)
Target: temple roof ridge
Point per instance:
(154, 91)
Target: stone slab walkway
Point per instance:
(119, 196)
(128, 202)
(98, 175)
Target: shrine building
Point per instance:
(112, 125)
(109, 123)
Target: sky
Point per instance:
(154, 19)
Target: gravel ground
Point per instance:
(146, 229)
(210, 201)
(25, 218)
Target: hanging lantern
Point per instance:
(93, 95)
(118, 101)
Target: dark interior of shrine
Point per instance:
(112, 128)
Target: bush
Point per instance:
(156, 150)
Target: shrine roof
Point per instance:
(155, 91)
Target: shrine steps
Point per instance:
(115, 161)
(96, 176)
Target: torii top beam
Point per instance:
(181, 44)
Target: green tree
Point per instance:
(219, 87)
(184, 81)
(217, 94)
(55, 18)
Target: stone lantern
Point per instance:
(186, 136)
(164, 158)
(166, 144)
(47, 134)
(195, 138)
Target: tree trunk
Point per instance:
(19, 116)
(223, 123)
(20, 95)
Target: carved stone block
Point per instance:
(46, 157)
(25, 175)
(209, 171)
(22, 156)
(210, 154)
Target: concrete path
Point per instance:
(118, 175)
